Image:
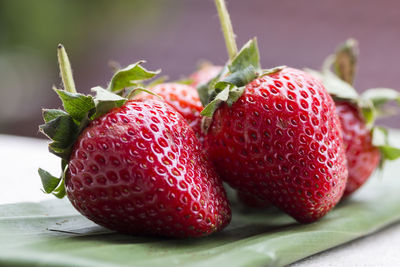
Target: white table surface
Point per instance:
(20, 158)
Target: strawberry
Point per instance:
(357, 114)
(280, 141)
(185, 99)
(134, 166)
(274, 134)
(362, 156)
(204, 74)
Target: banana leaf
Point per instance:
(52, 233)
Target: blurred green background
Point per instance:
(175, 35)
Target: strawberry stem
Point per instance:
(227, 29)
(65, 69)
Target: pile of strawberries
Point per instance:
(151, 159)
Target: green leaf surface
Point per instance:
(390, 152)
(51, 114)
(228, 87)
(242, 77)
(380, 139)
(57, 128)
(49, 181)
(52, 233)
(60, 192)
(62, 131)
(130, 76)
(234, 95)
(369, 114)
(222, 96)
(247, 56)
(75, 104)
(105, 101)
(207, 89)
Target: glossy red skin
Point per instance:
(204, 74)
(139, 170)
(185, 99)
(252, 202)
(281, 142)
(362, 156)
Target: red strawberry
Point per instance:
(281, 142)
(133, 166)
(357, 114)
(251, 201)
(185, 99)
(275, 134)
(204, 74)
(362, 156)
(139, 169)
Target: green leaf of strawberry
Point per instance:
(63, 127)
(390, 152)
(222, 96)
(130, 76)
(380, 139)
(75, 104)
(247, 57)
(49, 181)
(59, 192)
(51, 114)
(228, 86)
(62, 131)
(206, 90)
(105, 101)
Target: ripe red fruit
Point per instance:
(274, 134)
(134, 166)
(185, 99)
(357, 114)
(281, 142)
(362, 156)
(139, 169)
(204, 74)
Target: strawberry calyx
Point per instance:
(230, 83)
(63, 127)
(339, 84)
(129, 78)
(242, 68)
